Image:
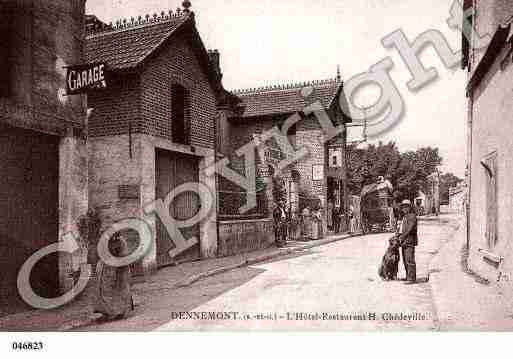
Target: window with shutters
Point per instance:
(490, 167)
(180, 115)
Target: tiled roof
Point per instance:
(288, 98)
(130, 43)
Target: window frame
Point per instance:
(180, 119)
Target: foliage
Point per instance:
(407, 171)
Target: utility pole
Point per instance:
(345, 194)
(345, 158)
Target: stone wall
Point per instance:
(39, 39)
(237, 237)
(111, 167)
(35, 74)
(73, 202)
(491, 129)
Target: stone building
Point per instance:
(314, 176)
(43, 156)
(490, 146)
(457, 198)
(154, 128)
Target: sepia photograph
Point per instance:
(240, 166)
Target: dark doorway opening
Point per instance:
(29, 211)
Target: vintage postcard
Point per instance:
(273, 166)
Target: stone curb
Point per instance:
(246, 262)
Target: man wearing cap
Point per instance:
(408, 239)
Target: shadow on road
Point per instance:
(160, 306)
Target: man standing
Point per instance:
(280, 224)
(408, 239)
(336, 219)
(330, 215)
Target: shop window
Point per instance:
(180, 115)
(490, 167)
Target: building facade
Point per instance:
(153, 129)
(43, 154)
(490, 147)
(319, 175)
(457, 198)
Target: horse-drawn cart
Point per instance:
(376, 208)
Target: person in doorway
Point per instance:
(280, 224)
(408, 240)
(330, 215)
(114, 296)
(336, 219)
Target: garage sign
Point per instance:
(82, 78)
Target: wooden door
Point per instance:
(172, 170)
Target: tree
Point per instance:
(407, 171)
(365, 165)
(415, 168)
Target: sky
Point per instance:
(278, 42)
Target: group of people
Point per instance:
(337, 218)
(283, 219)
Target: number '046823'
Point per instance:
(27, 346)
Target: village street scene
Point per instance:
(162, 171)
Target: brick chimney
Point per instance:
(92, 24)
(215, 61)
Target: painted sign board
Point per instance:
(82, 78)
(317, 172)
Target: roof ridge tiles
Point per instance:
(287, 86)
(123, 24)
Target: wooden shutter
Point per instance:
(187, 117)
(180, 114)
(490, 165)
